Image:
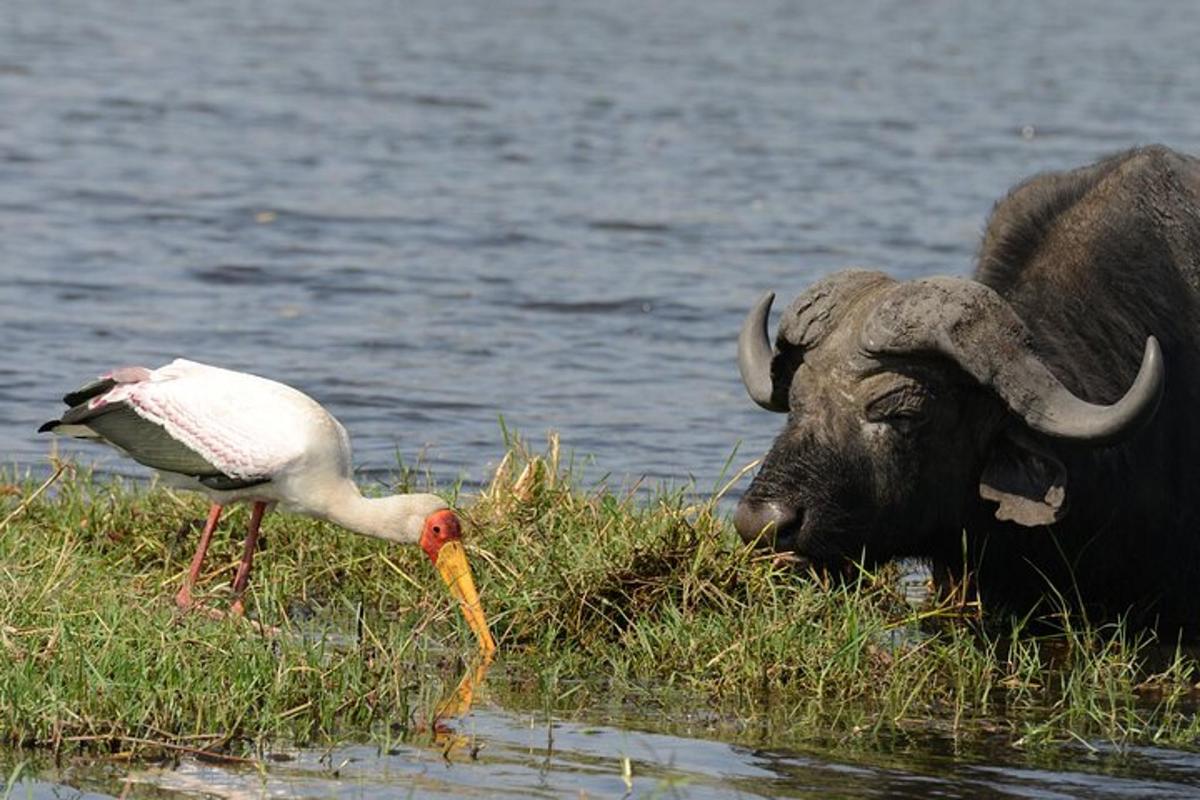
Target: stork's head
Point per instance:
(427, 520)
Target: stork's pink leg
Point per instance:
(243, 573)
(184, 598)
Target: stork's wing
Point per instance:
(145, 442)
(228, 429)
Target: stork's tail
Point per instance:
(68, 425)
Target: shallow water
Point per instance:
(532, 754)
(431, 214)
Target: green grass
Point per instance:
(598, 598)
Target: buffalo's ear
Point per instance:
(1027, 481)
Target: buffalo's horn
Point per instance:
(755, 355)
(971, 324)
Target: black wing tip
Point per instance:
(49, 426)
(88, 391)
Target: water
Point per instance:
(431, 214)
(513, 754)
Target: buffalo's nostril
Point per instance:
(762, 521)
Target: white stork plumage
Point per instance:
(241, 438)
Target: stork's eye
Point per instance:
(906, 406)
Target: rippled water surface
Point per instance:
(532, 754)
(431, 214)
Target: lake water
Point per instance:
(431, 214)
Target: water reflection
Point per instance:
(455, 705)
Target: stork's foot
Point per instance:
(186, 604)
(236, 612)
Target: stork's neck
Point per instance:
(397, 518)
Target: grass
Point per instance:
(598, 598)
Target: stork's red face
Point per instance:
(441, 539)
(440, 527)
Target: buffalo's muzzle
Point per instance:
(767, 522)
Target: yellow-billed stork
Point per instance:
(242, 438)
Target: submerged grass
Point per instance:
(598, 597)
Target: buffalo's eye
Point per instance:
(905, 406)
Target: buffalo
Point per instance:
(1034, 429)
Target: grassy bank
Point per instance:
(596, 596)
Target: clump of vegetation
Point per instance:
(661, 594)
(596, 595)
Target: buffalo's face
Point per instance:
(907, 402)
(871, 459)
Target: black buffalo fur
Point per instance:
(1093, 261)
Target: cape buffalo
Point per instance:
(1037, 424)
